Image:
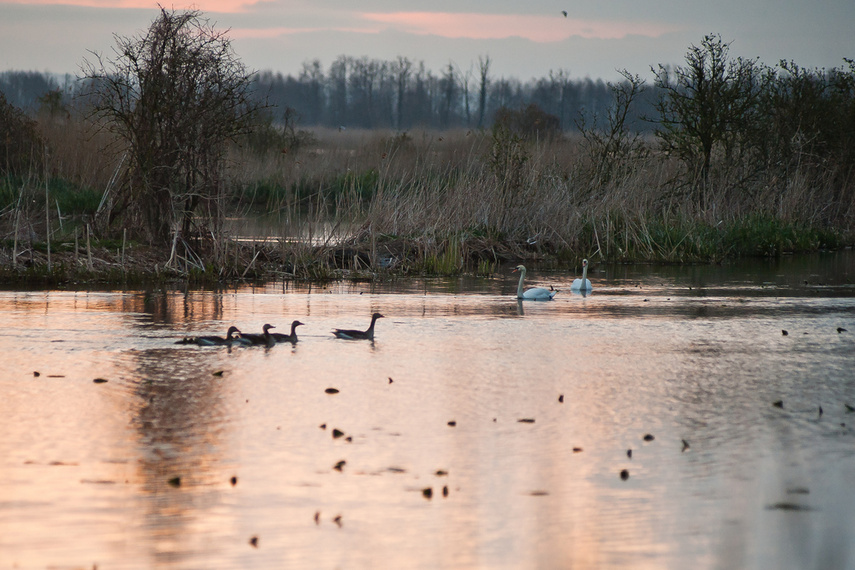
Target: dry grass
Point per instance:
(353, 202)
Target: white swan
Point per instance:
(533, 294)
(582, 284)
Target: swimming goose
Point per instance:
(264, 338)
(534, 293)
(279, 337)
(582, 284)
(216, 340)
(358, 335)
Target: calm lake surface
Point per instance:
(194, 457)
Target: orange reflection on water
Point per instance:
(137, 471)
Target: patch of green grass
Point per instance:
(448, 261)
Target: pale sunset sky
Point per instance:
(524, 39)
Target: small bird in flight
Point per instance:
(564, 12)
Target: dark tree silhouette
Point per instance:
(175, 96)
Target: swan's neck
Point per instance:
(294, 330)
(520, 285)
(584, 275)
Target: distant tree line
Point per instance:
(369, 93)
(402, 94)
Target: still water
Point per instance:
(213, 457)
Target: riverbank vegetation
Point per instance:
(738, 159)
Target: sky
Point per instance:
(523, 39)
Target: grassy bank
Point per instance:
(358, 204)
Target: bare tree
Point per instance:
(484, 70)
(175, 96)
(709, 104)
(401, 69)
(611, 147)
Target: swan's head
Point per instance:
(232, 331)
(520, 268)
(584, 263)
(267, 327)
(296, 324)
(376, 316)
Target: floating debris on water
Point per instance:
(778, 403)
(561, 398)
(452, 423)
(427, 492)
(441, 473)
(254, 541)
(331, 390)
(624, 474)
(784, 332)
(37, 373)
(175, 481)
(648, 437)
(217, 373)
(577, 450)
(337, 520)
(234, 481)
(788, 507)
(390, 380)
(99, 380)
(685, 445)
(323, 426)
(539, 493)
(340, 465)
(317, 517)
(840, 330)
(526, 420)
(445, 490)
(629, 453)
(337, 433)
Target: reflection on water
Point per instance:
(186, 454)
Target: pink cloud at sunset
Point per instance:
(220, 6)
(540, 29)
(268, 33)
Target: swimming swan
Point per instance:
(582, 284)
(533, 294)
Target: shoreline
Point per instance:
(250, 262)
